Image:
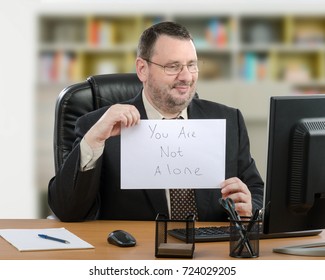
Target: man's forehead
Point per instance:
(174, 48)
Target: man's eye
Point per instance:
(173, 66)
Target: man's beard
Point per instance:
(166, 102)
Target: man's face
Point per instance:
(171, 93)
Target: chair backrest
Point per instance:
(78, 99)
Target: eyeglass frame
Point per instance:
(180, 70)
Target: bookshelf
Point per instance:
(247, 58)
(249, 48)
(75, 47)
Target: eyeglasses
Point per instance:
(176, 68)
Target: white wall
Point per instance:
(17, 191)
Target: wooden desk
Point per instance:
(95, 232)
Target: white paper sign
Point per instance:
(163, 154)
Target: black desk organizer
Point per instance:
(167, 246)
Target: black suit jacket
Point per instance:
(96, 194)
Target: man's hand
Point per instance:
(239, 193)
(110, 124)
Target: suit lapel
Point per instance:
(138, 103)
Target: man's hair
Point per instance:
(149, 36)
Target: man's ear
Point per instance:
(142, 69)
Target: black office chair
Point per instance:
(78, 99)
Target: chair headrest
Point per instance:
(114, 88)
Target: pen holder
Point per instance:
(167, 244)
(244, 238)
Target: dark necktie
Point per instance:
(182, 202)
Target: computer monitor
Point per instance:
(295, 183)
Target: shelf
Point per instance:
(257, 30)
(214, 31)
(278, 48)
(308, 31)
(62, 29)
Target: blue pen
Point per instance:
(53, 238)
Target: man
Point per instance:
(88, 184)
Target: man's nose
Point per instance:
(185, 74)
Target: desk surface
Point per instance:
(95, 232)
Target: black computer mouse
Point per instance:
(121, 238)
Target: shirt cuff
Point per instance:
(89, 156)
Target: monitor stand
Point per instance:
(312, 249)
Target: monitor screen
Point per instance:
(295, 183)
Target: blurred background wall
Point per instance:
(18, 191)
(252, 49)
